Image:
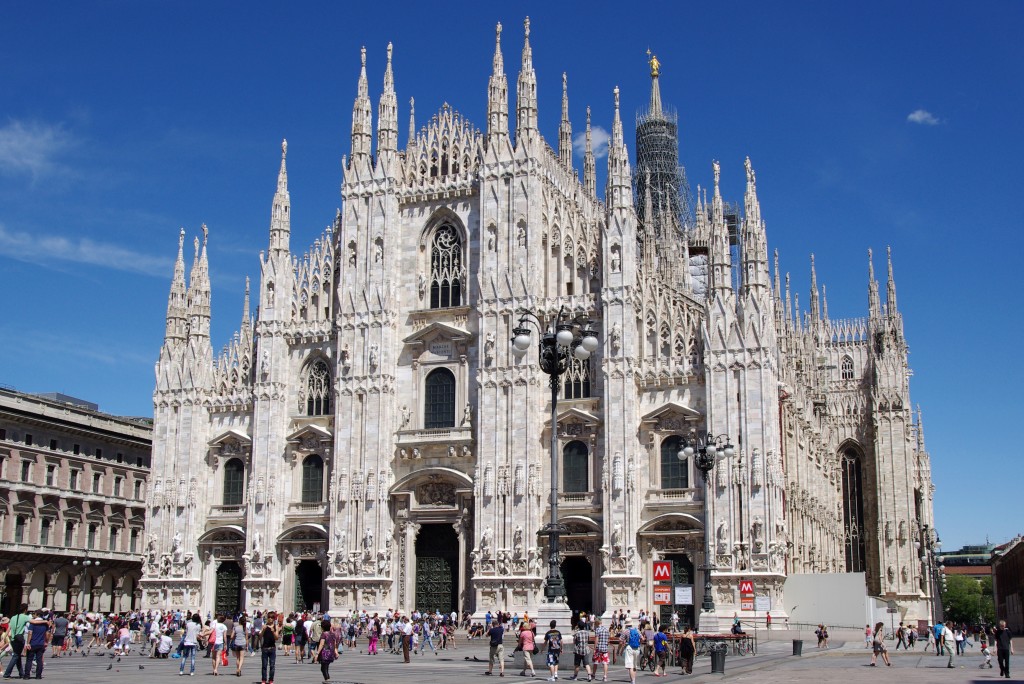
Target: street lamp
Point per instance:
(86, 562)
(562, 340)
(707, 450)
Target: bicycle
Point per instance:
(703, 646)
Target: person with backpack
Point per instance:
(553, 641)
(632, 651)
(326, 649)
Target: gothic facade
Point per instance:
(367, 440)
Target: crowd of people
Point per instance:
(321, 638)
(948, 639)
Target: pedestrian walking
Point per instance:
(687, 649)
(581, 651)
(878, 645)
(528, 645)
(868, 634)
(496, 651)
(601, 637)
(326, 649)
(661, 651)
(947, 647)
(268, 648)
(901, 638)
(189, 644)
(1004, 648)
(553, 644)
(632, 651)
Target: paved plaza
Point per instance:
(846, 663)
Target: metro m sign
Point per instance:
(746, 587)
(662, 571)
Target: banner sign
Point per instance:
(684, 595)
(662, 595)
(661, 571)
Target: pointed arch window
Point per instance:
(312, 479)
(675, 473)
(575, 467)
(439, 400)
(847, 368)
(234, 482)
(318, 389)
(577, 379)
(853, 511)
(446, 271)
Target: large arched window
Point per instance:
(318, 389)
(675, 473)
(853, 511)
(847, 368)
(445, 268)
(234, 482)
(575, 467)
(577, 379)
(312, 479)
(439, 400)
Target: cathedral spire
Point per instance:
(755, 243)
(412, 123)
(789, 305)
(655, 106)
(199, 292)
(777, 290)
(362, 119)
(526, 91)
(824, 303)
(497, 95)
(920, 431)
(890, 286)
(245, 305)
(387, 112)
(815, 307)
(720, 258)
(565, 128)
(589, 166)
(280, 213)
(176, 301)
(620, 189)
(874, 306)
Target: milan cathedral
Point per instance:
(366, 439)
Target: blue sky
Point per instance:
(868, 124)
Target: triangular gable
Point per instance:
(24, 507)
(672, 407)
(73, 512)
(578, 414)
(311, 430)
(452, 332)
(232, 434)
(96, 515)
(49, 511)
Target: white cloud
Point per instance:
(923, 117)
(45, 249)
(32, 148)
(599, 137)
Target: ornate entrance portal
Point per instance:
(309, 585)
(579, 583)
(682, 573)
(229, 588)
(437, 565)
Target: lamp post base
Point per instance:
(559, 611)
(707, 622)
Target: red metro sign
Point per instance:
(661, 571)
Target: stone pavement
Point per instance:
(847, 663)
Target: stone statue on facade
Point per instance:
(517, 541)
(176, 549)
(485, 543)
(723, 537)
(489, 349)
(367, 542)
(617, 540)
(256, 550)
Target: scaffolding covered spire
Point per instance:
(657, 163)
(655, 108)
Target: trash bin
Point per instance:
(798, 647)
(718, 660)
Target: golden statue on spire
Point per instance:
(655, 65)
